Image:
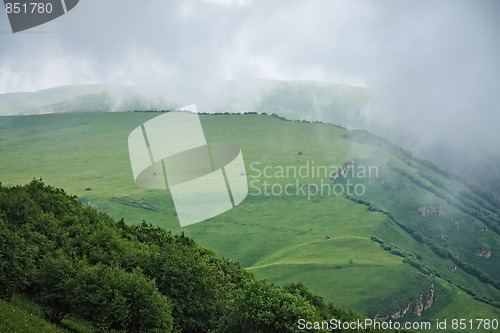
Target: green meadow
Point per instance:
(312, 234)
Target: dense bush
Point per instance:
(113, 298)
(264, 307)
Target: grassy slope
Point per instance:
(279, 238)
(312, 100)
(23, 315)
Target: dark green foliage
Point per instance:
(299, 289)
(52, 285)
(72, 259)
(264, 307)
(113, 298)
(16, 262)
(280, 117)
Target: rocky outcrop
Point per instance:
(417, 306)
(431, 210)
(342, 171)
(483, 253)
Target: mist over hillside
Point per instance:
(79, 98)
(432, 68)
(345, 105)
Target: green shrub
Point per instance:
(115, 299)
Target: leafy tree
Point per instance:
(261, 306)
(115, 299)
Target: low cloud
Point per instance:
(432, 67)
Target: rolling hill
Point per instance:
(75, 98)
(309, 100)
(395, 238)
(337, 103)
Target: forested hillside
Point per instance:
(73, 260)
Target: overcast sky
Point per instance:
(433, 66)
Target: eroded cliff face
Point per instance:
(417, 306)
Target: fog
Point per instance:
(432, 66)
